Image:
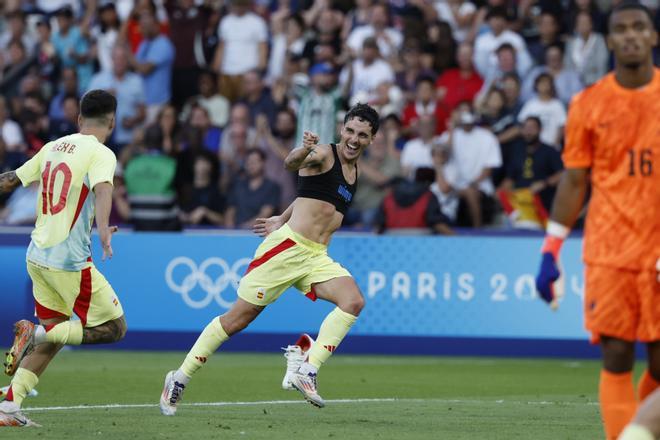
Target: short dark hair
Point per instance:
(536, 119)
(366, 113)
(97, 104)
(425, 79)
(541, 77)
(627, 5)
(505, 46)
(258, 151)
(497, 11)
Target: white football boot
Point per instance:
(295, 356)
(11, 415)
(306, 384)
(172, 393)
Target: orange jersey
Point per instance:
(616, 133)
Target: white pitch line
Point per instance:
(295, 402)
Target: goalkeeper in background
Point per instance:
(613, 142)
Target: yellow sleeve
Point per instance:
(30, 171)
(102, 167)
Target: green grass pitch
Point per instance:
(412, 398)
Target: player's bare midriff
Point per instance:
(314, 219)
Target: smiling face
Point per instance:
(355, 137)
(632, 37)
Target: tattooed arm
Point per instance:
(309, 155)
(9, 181)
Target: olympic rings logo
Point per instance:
(214, 287)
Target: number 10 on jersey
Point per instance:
(48, 178)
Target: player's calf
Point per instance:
(106, 333)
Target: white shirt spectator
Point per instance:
(387, 45)
(472, 152)
(416, 153)
(241, 36)
(105, 41)
(552, 115)
(485, 59)
(367, 78)
(445, 13)
(12, 136)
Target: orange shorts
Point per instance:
(623, 304)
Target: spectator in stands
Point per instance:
(10, 131)
(252, 196)
(511, 88)
(16, 67)
(487, 43)
(425, 104)
(319, 104)
(216, 105)
(548, 36)
(243, 46)
(258, 97)
(445, 172)
(506, 65)
(234, 153)
(239, 115)
(207, 204)
(475, 153)
(16, 30)
(9, 161)
(168, 131)
(68, 124)
(46, 58)
(68, 86)
(439, 52)
(378, 169)
(586, 51)
(367, 72)
(589, 7)
(187, 23)
(105, 34)
(461, 83)
(131, 28)
(150, 179)
(201, 120)
(356, 17)
(533, 164)
(548, 108)
(276, 145)
(128, 88)
(409, 70)
(416, 152)
(34, 136)
(153, 61)
(459, 14)
(72, 48)
(387, 39)
(502, 122)
(567, 82)
(412, 205)
(288, 38)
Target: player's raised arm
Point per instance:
(310, 154)
(9, 181)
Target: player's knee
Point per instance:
(618, 355)
(353, 305)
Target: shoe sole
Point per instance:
(165, 408)
(307, 398)
(15, 356)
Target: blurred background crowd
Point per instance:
(212, 95)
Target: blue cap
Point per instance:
(321, 68)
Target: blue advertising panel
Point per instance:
(415, 286)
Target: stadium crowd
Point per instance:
(213, 94)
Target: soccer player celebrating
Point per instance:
(612, 141)
(75, 174)
(296, 255)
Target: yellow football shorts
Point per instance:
(59, 293)
(286, 259)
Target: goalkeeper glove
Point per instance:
(546, 280)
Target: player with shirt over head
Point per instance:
(294, 253)
(613, 142)
(75, 174)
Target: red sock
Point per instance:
(10, 395)
(617, 401)
(647, 384)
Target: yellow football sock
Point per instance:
(66, 333)
(207, 343)
(22, 383)
(334, 328)
(636, 432)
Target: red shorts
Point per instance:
(623, 304)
